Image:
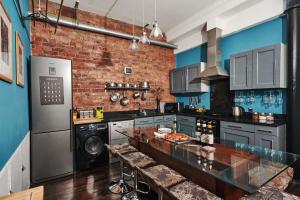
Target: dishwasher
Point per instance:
(118, 138)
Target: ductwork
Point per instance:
(95, 29)
(213, 70)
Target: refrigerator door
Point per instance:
(51, 94)
(51, 155)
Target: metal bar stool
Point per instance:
(163, 177)
(136, 160)
(191, 191)
(120, 186)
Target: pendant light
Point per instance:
(144, 38)
(156, 32)
(134, 45)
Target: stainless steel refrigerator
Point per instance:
(51, 103)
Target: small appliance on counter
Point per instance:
(237, 111)
(173, 107)
(99, 113)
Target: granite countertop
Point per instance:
(131, 115)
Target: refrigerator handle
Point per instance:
(71, 131)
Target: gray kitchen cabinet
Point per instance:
(265, 136)
(181, 79)
(143, 122)
(159, 120)
(178, 81)
(271, 137)
(259, 68)
(266, 141)
(186, 125)
(241, 71)
(191, 72)
(269, 69)
(237, 136)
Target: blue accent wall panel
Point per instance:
(14, 109)
(268, 33)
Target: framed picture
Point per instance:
(19, 61)
(6, 66)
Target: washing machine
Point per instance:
(90, 146)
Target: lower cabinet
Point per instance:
(186, 128)
(264, 136)
(267, 141)
(237, 136)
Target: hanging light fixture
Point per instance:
(156, 32)
(134, 45)
(144, 38)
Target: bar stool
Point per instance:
(120, 186)
(136, 160)
(191, 191)
(282, 181)
(270, 193)
(163, 177)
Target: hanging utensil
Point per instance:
(144, 95)
(114, 97)
(124, 101)
(136, 95)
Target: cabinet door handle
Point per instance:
(231, 126)
(265, 131)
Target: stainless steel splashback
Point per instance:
(51, 94)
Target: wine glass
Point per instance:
(252, 96)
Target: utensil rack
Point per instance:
(126, 88)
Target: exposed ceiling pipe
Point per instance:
(95, 29)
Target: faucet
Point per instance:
(141, 111)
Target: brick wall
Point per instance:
(91, 68)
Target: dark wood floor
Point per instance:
(88, 185)
(92, 185)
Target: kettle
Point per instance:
(237, 111)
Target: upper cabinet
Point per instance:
(259, 69)
(241, 71)
(178, 83)
(181, 79)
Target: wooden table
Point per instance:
(36, 193)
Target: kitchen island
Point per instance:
(230, 171)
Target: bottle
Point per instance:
(210, 137)
(174, 124)
(75, 113)
(204, 133)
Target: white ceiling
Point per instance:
(169, 12)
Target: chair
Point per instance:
(191, 191)
(136, 160)
(119, 186)
(163, 177)
(270, 193)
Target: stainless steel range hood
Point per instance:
(213, 70)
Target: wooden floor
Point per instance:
(88, 185)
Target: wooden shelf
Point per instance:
(125, 88)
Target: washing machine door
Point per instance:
(93, 146)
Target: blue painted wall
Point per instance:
(268, 33)
(14, 111)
